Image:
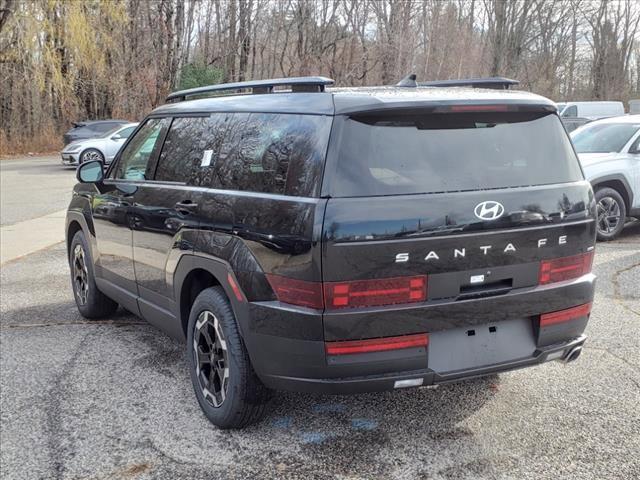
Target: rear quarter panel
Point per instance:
(261, 233)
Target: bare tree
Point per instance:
(121, 57)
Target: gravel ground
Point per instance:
(112, 400)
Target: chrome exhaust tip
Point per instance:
(573, 354)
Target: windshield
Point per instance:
(102, 129)
(122, 132)
(603, 137)
(110, 131)
(452, 152)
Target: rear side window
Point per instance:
(256, 152)
(183, 149)
(451, 152)
(273, 153)
(262, 152)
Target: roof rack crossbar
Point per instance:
(300, 84)
(500, 83)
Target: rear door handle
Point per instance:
(186, 206)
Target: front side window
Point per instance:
(135, 160)
(570, 111)
(603, 137)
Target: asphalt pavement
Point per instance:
(33, 187)
(34, 195)
(112, 399)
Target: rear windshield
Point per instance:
(452, 152)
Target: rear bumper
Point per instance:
(376, 383)
(287, 345)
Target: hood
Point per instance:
(589, 159)
(84, 143)
(75, 145)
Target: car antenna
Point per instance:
(408, 81)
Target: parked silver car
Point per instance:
(609, 151)
(103, 148)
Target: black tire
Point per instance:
(91, 154)
(612, 213)
(244, 398)
(91, 302)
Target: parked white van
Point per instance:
(590, 110)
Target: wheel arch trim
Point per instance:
(627, 194)
(79, 217)
(219, 270)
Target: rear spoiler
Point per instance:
(496, 83)
(429, 100)
(420, 107)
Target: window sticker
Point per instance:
(206, 158)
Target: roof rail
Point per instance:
(497, 83)
(297, 84)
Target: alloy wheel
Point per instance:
(90, 155)
(609, 216)
(211, 358)
(80, 275)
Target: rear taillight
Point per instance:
(297, 292)
(369, 293)
(565, 268)
(376, 344)
(560, 316)
(358, 293)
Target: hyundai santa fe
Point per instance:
(340, 240)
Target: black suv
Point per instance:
(341, 240)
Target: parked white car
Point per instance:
(103, 148)
(609, 151)
(590, 110)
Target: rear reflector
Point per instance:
(560, 316)
(369, 293)
(236, 289)
(376, 344)
(297, 292)
(565, 268)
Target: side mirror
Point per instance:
(117, 137)
(90, 172)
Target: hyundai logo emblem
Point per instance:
(489, 210)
